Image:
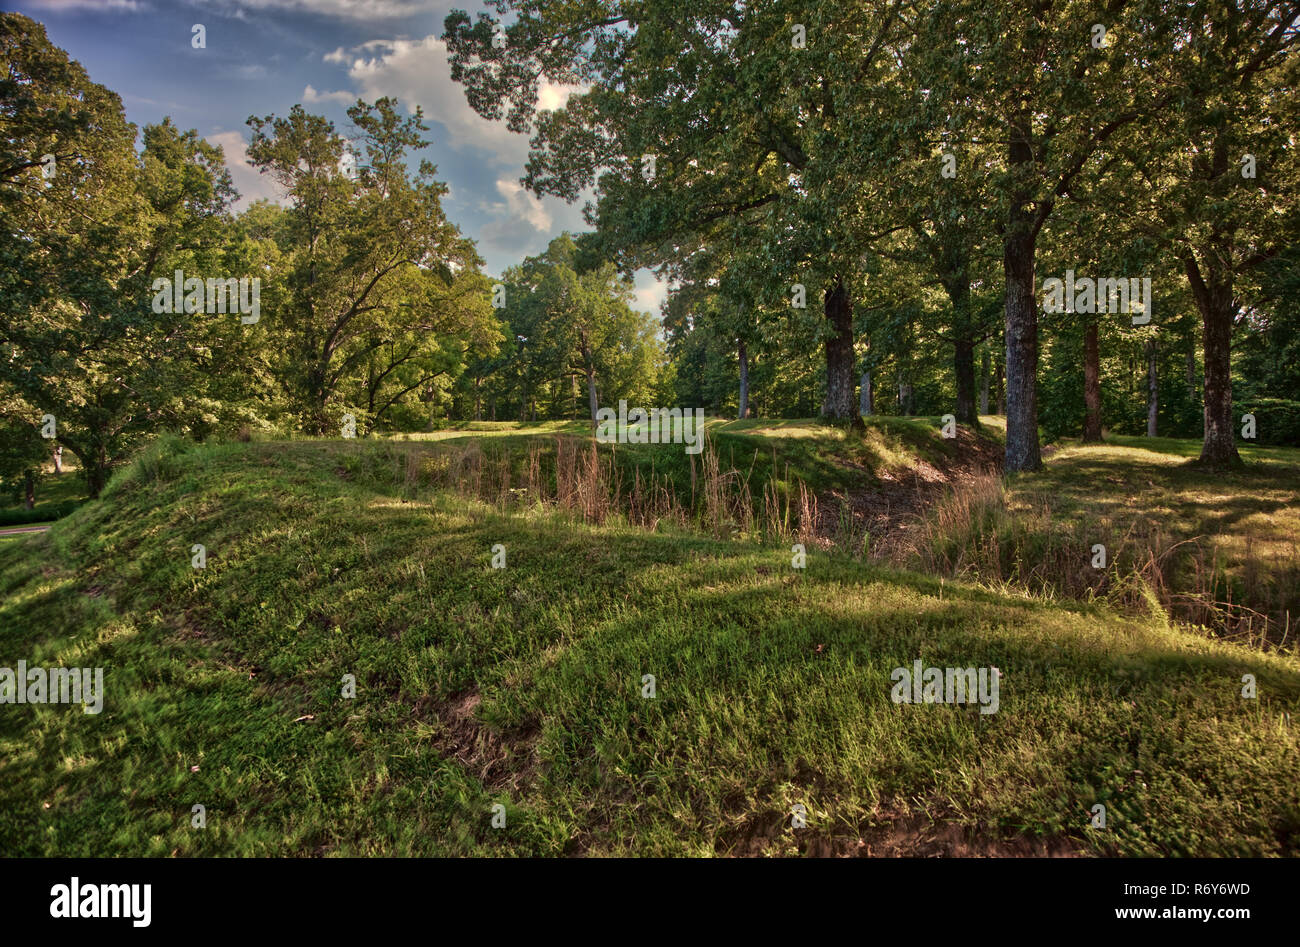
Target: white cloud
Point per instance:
(551, 97)
(521, 205)
(310, 94)
(126, 6)
(650, 291)
(336, 9)
(251, 184)
(416, 72)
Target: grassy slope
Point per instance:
(824, 458)
(522, 686)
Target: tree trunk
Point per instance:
(964, 363)
(1000, 388)
(742, 353)
(590, 368)
(29, 481)
(1214, 300)
(839, 402)
(958, 289)
(58, 458)
(1018, 247)
(1153, 389)
(1091, 386)
(1022, 345)
(904, 395)
(864, 395)
(1219, 448)
(985, 370)
(96, 472)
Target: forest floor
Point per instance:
(526, 686)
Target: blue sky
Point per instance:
(265, 56)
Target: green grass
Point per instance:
(56, 496)
(522, 686)
(824, 458)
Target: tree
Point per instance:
(80, 250)
(572, 321)
(1222, 177)
(373, 266)
(1042, 84)
(731, 117)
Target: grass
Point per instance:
(56, 496)
(523, 686)
(822, 457)
(1219, 550)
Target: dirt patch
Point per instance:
(500, 760)
(880, 516)
(903, 836)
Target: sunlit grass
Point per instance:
(772, 686)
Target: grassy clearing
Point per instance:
(57, 495)
(1218, 550)
(522, 686)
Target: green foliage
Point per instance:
(1277, 420)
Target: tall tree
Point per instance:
(79, 339)
(737, 109)
(1057, 92)
(1223, 175)
(360, 253)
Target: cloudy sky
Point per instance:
(265, 56)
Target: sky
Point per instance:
(262, 57)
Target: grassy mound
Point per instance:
(523, 687)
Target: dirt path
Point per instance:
(17, 530)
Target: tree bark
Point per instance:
(742, 353)
(590, 368)
(96, 472)
(1022, 451)
(904, 395)
(29, 481)
(1018, 246)
(840, 403)
(958, 289)
(1153, 389)
(58, 458)
(1091, 386)
(864, 395)
(964, 363)
(1217, 308)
